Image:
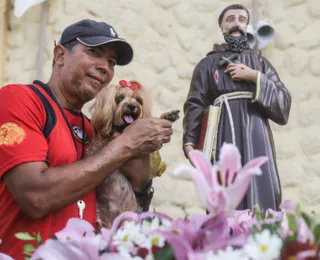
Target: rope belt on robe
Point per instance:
(223, 99)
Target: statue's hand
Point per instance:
(187, 149)
(239, 71)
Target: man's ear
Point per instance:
(59, 53)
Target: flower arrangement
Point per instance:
(224, 233)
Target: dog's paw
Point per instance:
(172, 115)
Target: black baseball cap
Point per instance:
(92, 33)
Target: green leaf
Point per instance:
(166, 253)
(38, 238)
(290, 239)
(292, 222)
(298, 209)
(255, 230)
(310, 220)
(316, 232)
(257, 212)
(28, 248)
(148, 219)
(24, 236)
(274, 228)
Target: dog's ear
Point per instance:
(142, 92)
(103, 111)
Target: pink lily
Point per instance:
(125, 216)
(215, 234)
(307, 254)
(80, 234)
(221, 187)
(75, 230)
(180, 246)
(305, 235)
(288, 205)
(277, 216)
(189, 229)
(77, 241)
(149, 214)
(241, 221)
(55, 249)
(5, 257)
(222, 242)
(197, 255)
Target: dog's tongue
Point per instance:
(128, 119)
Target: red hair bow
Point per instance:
(124, 83)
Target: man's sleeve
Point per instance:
(272, 94)
(22, 118)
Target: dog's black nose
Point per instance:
(132, 107)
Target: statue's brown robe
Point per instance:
(271, 100)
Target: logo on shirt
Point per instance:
(79, 134)
(11, 133)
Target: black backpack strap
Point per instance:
(89, 120)
(51, 118)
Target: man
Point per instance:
(45, 179)
(249, 92)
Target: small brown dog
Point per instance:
(116, 107)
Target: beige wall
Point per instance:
(169, 38)
(4, 8)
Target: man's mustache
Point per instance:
(236, 28)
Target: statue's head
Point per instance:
(233, 22)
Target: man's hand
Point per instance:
(143, 137)
(147, 135)
(239, 71)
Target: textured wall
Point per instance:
(169, 37)
(4, 9)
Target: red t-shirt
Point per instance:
(22, 119)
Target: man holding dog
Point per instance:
(46, 178)
(246, 91)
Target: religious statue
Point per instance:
(248, 92)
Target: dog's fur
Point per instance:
(112, 104)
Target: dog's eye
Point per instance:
(139, 100)
(119, 99)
